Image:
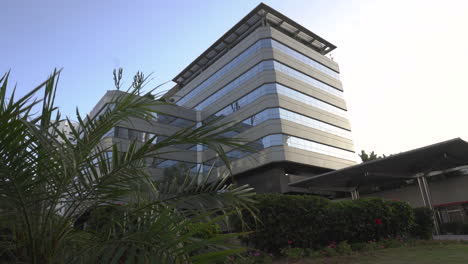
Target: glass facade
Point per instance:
(169, 163)
(264, 43)
(132, 134)
(281, 113)
(261, 67)
(301, 57)
(264, 66)
(272, 88)
(224, 70)
(173, 121)
(141, 136)
(291, 141)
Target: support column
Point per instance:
(422, 191)
(354, 194)
(429, 201)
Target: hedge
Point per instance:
(313, 222)
(424, 223)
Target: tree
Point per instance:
(368, 157)
(51, 192)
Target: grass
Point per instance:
(452, 253)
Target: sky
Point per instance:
(403, 63)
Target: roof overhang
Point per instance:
(438, 157)
(262, 15)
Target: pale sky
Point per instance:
(403, 63)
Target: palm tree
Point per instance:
(76, 201)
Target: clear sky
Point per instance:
(403, 62)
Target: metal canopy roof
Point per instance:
(406, 165)
(261, 15)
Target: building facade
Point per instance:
(270, 77)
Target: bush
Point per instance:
(293, 253)
(423, 223)
(251, 257)
(343, 248)
(287, 221)
(357, 247)
(314, 222)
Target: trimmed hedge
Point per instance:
(424, 223)
(313, 222)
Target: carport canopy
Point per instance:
(432, 159)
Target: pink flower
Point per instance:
(378, 221)
(290, 242)
(256, 254)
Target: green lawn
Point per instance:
(429, 254)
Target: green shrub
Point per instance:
(329, 252)
(251, 257)
(391, 243)
(293, 253)
(302, 221)
(343, 248)
(287, 220)
(424, 223)
(358, 247)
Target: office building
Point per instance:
(271, 77)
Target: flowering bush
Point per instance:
(300, 221)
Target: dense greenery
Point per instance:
(313, 222)
(371, 156)
(424, 223)
(77, 201)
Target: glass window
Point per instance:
(295, 142)
(264, 43)
(301, 57)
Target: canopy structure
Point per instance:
(406, 165)
(414, 164)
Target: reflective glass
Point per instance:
(264, 43)
(307, 79)
(225, 69)
(172, 120)
(301, 57)
(271, 88)
(167, 163)
(264, 66)
(295, 142)
(281, 113)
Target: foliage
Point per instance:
(423, 224)
(313, 222)
(371, 156)
(66, 201)
(343, 248)
(293, 252)
(251, 257)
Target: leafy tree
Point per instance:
(79, 202)
(368, 157)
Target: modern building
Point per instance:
(271, 77)
(66, 128)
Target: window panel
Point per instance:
(264, 43)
